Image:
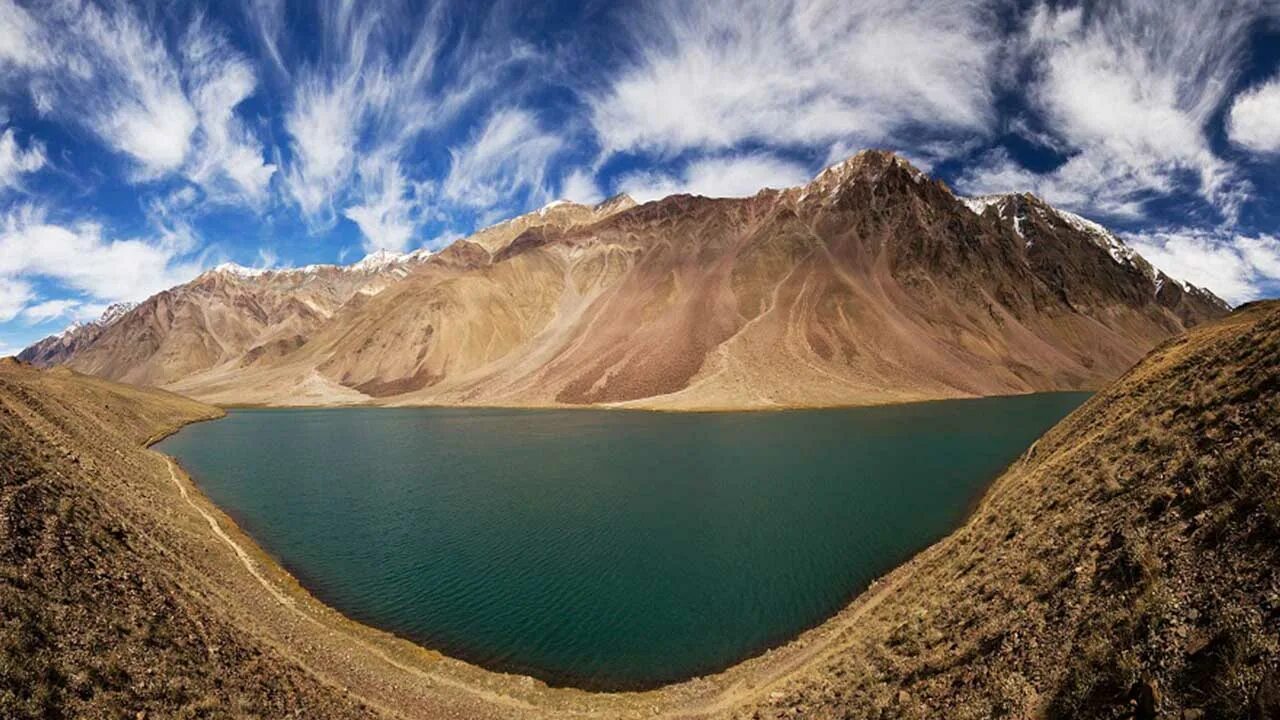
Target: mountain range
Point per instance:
(872, 283)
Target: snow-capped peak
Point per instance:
(978, 205)
(1121, 253)
(109, 317)
(114, 312)
(553, 205)
(383, 259)
(71, 329)
(377, 260)
(238, 270)
(1105, 239)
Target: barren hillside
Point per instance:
(1124, 567)
(99, 618)
(871, 284)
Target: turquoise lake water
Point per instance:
(603, 549)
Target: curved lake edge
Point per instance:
(639, 406)
(714, 691)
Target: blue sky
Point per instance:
(142, 143)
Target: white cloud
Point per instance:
(322, 122)
(81, 259)
(732, 176)
(1254, 121)
(21, 41)
(1126, 90)
(389, 215)
(268, 19)
(221, 79)
(507, 157)
(711, 75)
(134, 89)
(14, 296)
(581, 187)
(1074, 185)
(15, 161)
(50, 309)
(1237, 269)
(375, 92)
(647, 185)
(109, 69)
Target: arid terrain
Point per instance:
(1124, 567)
(870, 284)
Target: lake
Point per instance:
(603, 549)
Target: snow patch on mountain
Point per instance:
(377, 261)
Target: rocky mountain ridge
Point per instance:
(56, 348)
(872, 283)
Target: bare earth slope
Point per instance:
(871, 284)
(97, 618)
(57, 349)
(1124, 567)
(229, 315)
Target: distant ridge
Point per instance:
(872, 283)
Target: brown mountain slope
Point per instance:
(870, 284)
(559, 214)
(57, 349)
(230, 314)
(1125, 567)
(97, 617)
(233, 317)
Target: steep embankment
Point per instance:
(99, 617)
(1125, 566)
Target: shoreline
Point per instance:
(742, 681)
(709, 695)
(708, 410)
(995, 619)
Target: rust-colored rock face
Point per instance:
(873, 283)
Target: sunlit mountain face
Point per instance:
(142, 144)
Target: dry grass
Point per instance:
(1125, 567)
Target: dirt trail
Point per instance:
(247, 561)
(752, 686)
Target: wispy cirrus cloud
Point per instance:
(108, 68)
(712, 75)
(117, 70)
(580, 186)
(1236, 268)
(22, 41)
(227, 159)
(15, 294)
(376, 91)
(48, 310)
(16, 161)
(391, 206)
(507, 157)
(1125, 90)
(730, 176)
